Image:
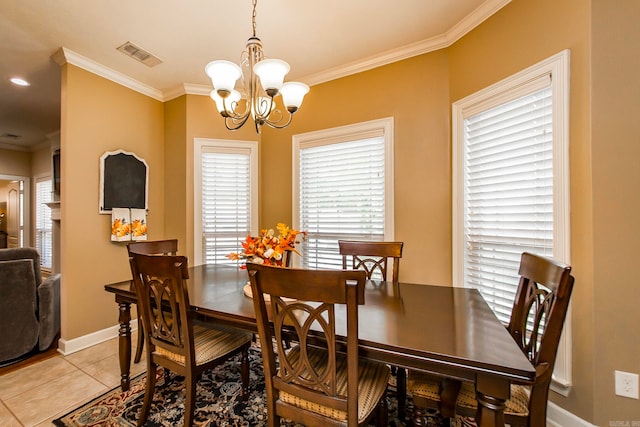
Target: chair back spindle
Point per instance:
(149, 247)
(372, 257)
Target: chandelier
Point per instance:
(258, 100)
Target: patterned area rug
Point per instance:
(219, 402)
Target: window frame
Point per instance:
(38, 208)
(345, 134)
(556, 66)
(221, 145)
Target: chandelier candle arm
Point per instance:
(255, 99)
(226, 105)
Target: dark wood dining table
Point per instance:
(444, 330)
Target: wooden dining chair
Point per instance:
(372, 257)
(174, 341)
(537, 318)
(150, 247)
(375, 258)
(318, 381)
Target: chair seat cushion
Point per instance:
(423, 385)
(518, 403)
(210, 343)
(372, 384)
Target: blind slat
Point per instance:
(226, 203)
(342, 196)
(44, 227)
(508, 185)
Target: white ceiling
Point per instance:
(321, 40)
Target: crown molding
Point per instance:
(66, 56)
(187, 89)
(192, 89)
(40, 146)
(374, 61)
(468, 23)
(174, 92)
(8, 146)
(475, 18)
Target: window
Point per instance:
(510, 185)
(343, 188)
(44, 232)
(226, 197)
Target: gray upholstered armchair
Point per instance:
(29, 307)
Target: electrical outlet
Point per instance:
(626, 384)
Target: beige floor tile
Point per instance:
(6, 418)
(42, 402)
(107, 370)
(49, 421)
(17, 382)
(94, 354)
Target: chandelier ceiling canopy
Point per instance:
(258, 99)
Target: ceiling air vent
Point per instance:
(9, 136)
(139, 54)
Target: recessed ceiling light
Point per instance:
(20, 82)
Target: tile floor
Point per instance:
(41, 392)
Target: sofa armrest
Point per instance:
(49, 310)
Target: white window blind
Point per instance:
(344, 192)
(511, 186)
(44, 231)
(226, 202)
(508, 180)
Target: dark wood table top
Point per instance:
(451, 331)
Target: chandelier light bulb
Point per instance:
(223, 74)
(229, 101)
(271, 73)
(293, 94)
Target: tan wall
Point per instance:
(415, 93)
(41, 163)
(521, 34)
(175, 181)
(616, 201)
(98, 116)
(13, 162)
(203, 121)
(418, 93)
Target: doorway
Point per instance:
(14, 211)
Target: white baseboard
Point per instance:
(559, 417)
(67, 347)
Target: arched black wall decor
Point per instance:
(124, 181)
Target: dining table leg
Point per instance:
(491, 394)
(124, 344)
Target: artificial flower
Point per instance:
(269, 248)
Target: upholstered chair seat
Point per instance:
(424, 386)
(372, 380)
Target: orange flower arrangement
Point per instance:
(268, 248)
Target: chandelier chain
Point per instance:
(253, 17)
